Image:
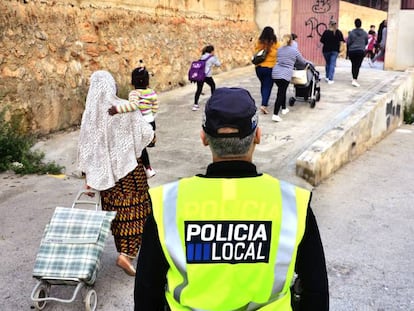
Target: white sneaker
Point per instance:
(276, 118)
(150, 172)
(326, 80)
(355, 83)
(195, 107)
(331, 82)
(285, 111)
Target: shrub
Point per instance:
(16, 153)
(409, 114)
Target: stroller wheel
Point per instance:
(91, 300)
(292, 101)
(318, 94)
(312, 103)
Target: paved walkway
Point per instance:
(363, 210)
(178, 148)
(179, 152)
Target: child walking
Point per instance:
(145, 99)
(211, 60)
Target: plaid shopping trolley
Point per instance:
(70, 252)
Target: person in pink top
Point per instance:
(370, 48)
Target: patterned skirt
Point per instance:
(130, 199)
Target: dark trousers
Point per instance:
(144, 155)
(210, 82)
(356, 58)
(282, 86)
(266, 83)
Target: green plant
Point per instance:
(409, 114)
(16, 153)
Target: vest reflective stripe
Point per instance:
(288, 232)
(172, 237)
(287, 244)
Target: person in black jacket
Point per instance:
(331, 40)
(230, 130)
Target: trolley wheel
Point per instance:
(292, 101)
(41, 292)
(91, 300)
(312, 103)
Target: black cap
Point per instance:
(232, 108)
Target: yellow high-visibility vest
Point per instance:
(231, 243)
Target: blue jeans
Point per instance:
(266, 83)
(330, 59)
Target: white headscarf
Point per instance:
(109, 146)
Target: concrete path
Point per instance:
(364, 210)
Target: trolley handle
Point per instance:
(91, 193)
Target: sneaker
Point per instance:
(326, 80)
(331, 82)
(276, 118)
(355, 83)
(285, 111)
(370, 62)
(195, 107)
(150, 172)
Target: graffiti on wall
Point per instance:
(313, 23)
(315, 26)
(310, 20)
(392, 111)
(321, 6)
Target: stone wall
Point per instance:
(49, 48)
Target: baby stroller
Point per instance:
(70, 251)
(309, 91)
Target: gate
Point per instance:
(310, 18)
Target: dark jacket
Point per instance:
(331, 40)
(152, 266)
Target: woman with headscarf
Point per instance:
(109, 151)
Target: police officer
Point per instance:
(233, 238)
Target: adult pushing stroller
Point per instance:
(70, 252)
(308, 89)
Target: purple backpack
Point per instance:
(197, 70)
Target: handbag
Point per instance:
(300, 76)
(259, 57)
